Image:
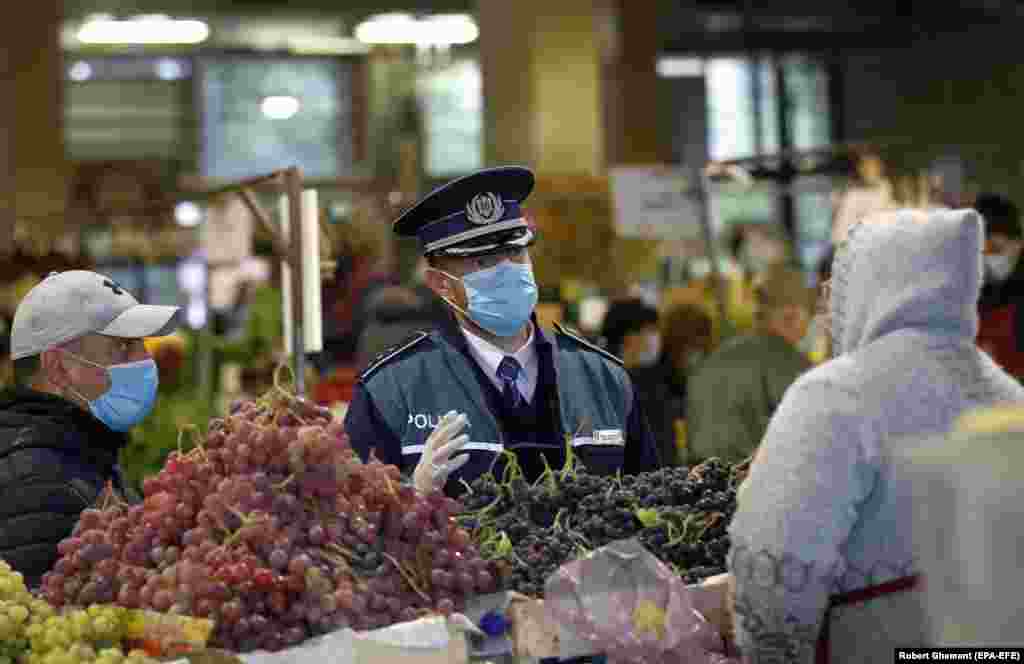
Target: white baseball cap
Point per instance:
(67, 305)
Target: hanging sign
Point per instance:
(655, 202)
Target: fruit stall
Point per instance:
(264, 538)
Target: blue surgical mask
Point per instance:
(132, 393)
(501, 298)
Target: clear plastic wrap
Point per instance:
(626, 604)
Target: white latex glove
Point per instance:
(436, 463)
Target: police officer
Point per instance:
(516, 387)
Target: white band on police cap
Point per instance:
(472, 233)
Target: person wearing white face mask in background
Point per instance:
(1001, 306)
(83, 379)
(631, 330)
(446, 406)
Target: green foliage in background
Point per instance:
(157, 436)
(263, 330)
(179, 404)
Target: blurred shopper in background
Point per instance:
(822, 510)
(734, 393)
(818, 343)
(393, 314)
(365, 263)
(1001, 306)
(688, 334)
(630, 331)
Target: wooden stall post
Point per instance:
(293, 189)
(704, 194)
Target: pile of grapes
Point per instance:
(274, 529)
(33, 632)
(679, 514)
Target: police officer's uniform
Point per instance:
(583, 395)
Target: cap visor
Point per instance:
(488, 246)
(143, 320)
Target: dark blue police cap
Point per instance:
(473, 215)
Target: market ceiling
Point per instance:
(687, 26)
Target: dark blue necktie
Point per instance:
(508, 371)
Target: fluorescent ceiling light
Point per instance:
(280, 108)
(675, 67)
(449, 29)
(187, 214)
(80, 71)
(326, 45)
(156, 29)
(441, 29)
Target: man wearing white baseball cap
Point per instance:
(83, 379)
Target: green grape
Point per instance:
(81, 626)
(110, 656)
(18, 613)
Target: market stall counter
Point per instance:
(265, 538)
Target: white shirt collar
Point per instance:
(489, 356)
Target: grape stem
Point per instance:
(548, 475)
(285, 482)
(513, 470)
(697, 473)
(338, 561)
(557, 525)
(246, 521)
(571, 466)
(391, 487)
(712, 519)
(196, 441)
(337, 548)
(408, 577)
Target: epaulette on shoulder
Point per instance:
(393, 352)
(578, 338)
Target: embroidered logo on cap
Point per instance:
(485, 209)
(113, 285)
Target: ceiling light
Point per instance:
(449, 29)
(280, 108)
(187, 214)
(80, 71)
(168, 69)
(325, 45)
(441, 29)
(156, 29)
(674, 67)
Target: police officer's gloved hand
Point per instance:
(436, 463)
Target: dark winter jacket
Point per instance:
(55, 459)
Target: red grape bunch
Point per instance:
(273, 528)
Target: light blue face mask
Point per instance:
(501, 298)
(132, 393)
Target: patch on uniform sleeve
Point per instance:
(578, 338)
(393, 352)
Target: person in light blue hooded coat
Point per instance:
(821, 557)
